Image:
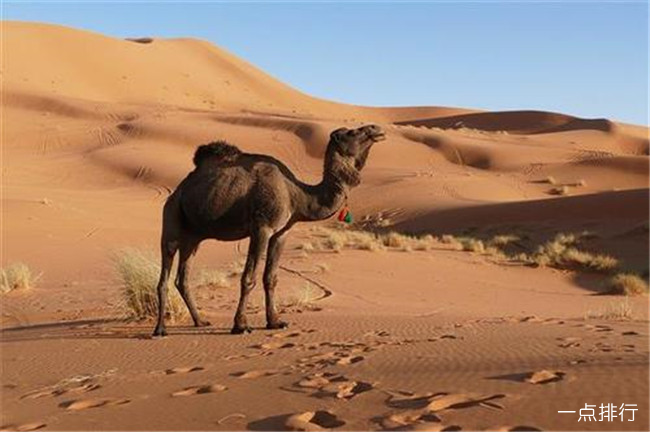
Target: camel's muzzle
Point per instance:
(380, 136)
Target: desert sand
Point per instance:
(96, 132)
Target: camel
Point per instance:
(231, 195)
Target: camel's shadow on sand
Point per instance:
(105, 328)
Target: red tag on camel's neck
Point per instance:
(342, 214)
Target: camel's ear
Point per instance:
(336, 135)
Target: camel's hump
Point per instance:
(217, 151)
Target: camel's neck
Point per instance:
(322, 200)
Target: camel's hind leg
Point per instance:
(168, 250)
(187, 250)
(258, 244)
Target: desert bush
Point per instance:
(139, 272)
(17, 276)
(627, 284)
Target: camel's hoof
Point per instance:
(277, 325)
(203, 324)
(240, 330)
(159, 332)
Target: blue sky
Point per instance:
(584, 58)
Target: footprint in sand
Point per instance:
(293, 334)
(261, 353)
(327, 384)
(255, 373)
(23, 427)
(53, 392)
(630, 333)
(545, 377)
(349, 360)
(274, 345)
(343, 390)
(183, 370)
(462, 400)
(569, 342)
(82, 404)
(318, 380)
(602, 347)
(377, 333)
(411, 401)
(196, 390)
(313, 421)
(408, 419)
(331, 358)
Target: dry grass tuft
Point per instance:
(236, 268)
(338, 239)
(139, 272)
(307, 247)
(472, 245)
(301, 299)
(452, 241)
(627, 284)
(504, 240)
(17, 276)
(396, 240)
(614, 311)
(212, 278)
(560, 252)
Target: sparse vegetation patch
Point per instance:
(627, 284)
(17, 276)
(139, 272)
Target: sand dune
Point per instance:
(97, 131)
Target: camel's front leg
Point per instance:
(276, 244)
(186, 253)
(258, 244)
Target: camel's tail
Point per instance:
(217, 151)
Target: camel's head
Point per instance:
(348, 151)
